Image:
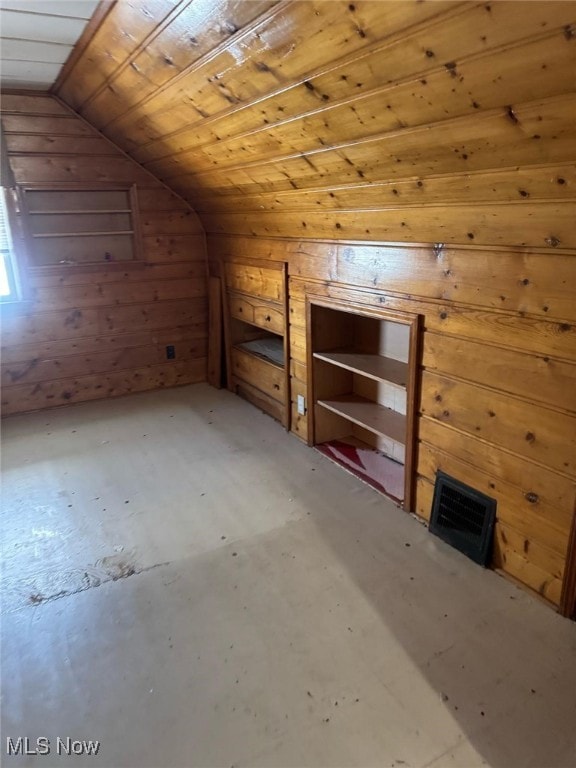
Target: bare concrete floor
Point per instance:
(192, 586)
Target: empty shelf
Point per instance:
(374, 366)
(372, 416)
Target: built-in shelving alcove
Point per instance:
(363, 365)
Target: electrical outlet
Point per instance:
(301, 402)
(170, 352)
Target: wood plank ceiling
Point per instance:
(397, 121)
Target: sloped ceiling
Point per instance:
(37, 37)
(375, 120)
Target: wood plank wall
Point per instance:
(415, 155)
(88, 333)
(497, 405)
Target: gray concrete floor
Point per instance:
(191, 586)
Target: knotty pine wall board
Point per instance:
(288, 41)
(409, 104)
(77, 346)
(539, 378)
(497, 406)
(72, 325)
(546, 182)
(194, 34)
(543, 340)
(348, 105)
(91, 332)
(380, 68)
(173, 248)
(102, 385)
(542, 133)
(110, 45)
(58, 145)
(528, 224)
(545, 434)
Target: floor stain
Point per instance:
(48, 586)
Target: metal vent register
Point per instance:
(463, 517)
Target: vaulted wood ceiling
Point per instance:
(371, 120)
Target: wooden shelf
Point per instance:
(270, 349)
(364, 396)
(84, 234)
(88, 266)
(80, 211)
(369, 415)
(375, 367)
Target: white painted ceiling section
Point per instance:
(36, 38)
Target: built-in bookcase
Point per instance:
(363, 386)
(73, 225)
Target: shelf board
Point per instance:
(376, 367)
(83, 234)
(88, 266)
(270, 349)
(372, 416)
(80, 211)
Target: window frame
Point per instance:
(17, 262)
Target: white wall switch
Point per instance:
(301, 400)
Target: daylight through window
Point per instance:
(7, 273)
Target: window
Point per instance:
(71, 225)
(8, 282)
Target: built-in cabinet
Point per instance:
(362, 387)
(72, 225)
(256, 335)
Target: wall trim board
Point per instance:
(501, 280)
(298, 244)
(496, 344)
(568, 599)
(526, 388)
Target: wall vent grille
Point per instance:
(463, 517)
